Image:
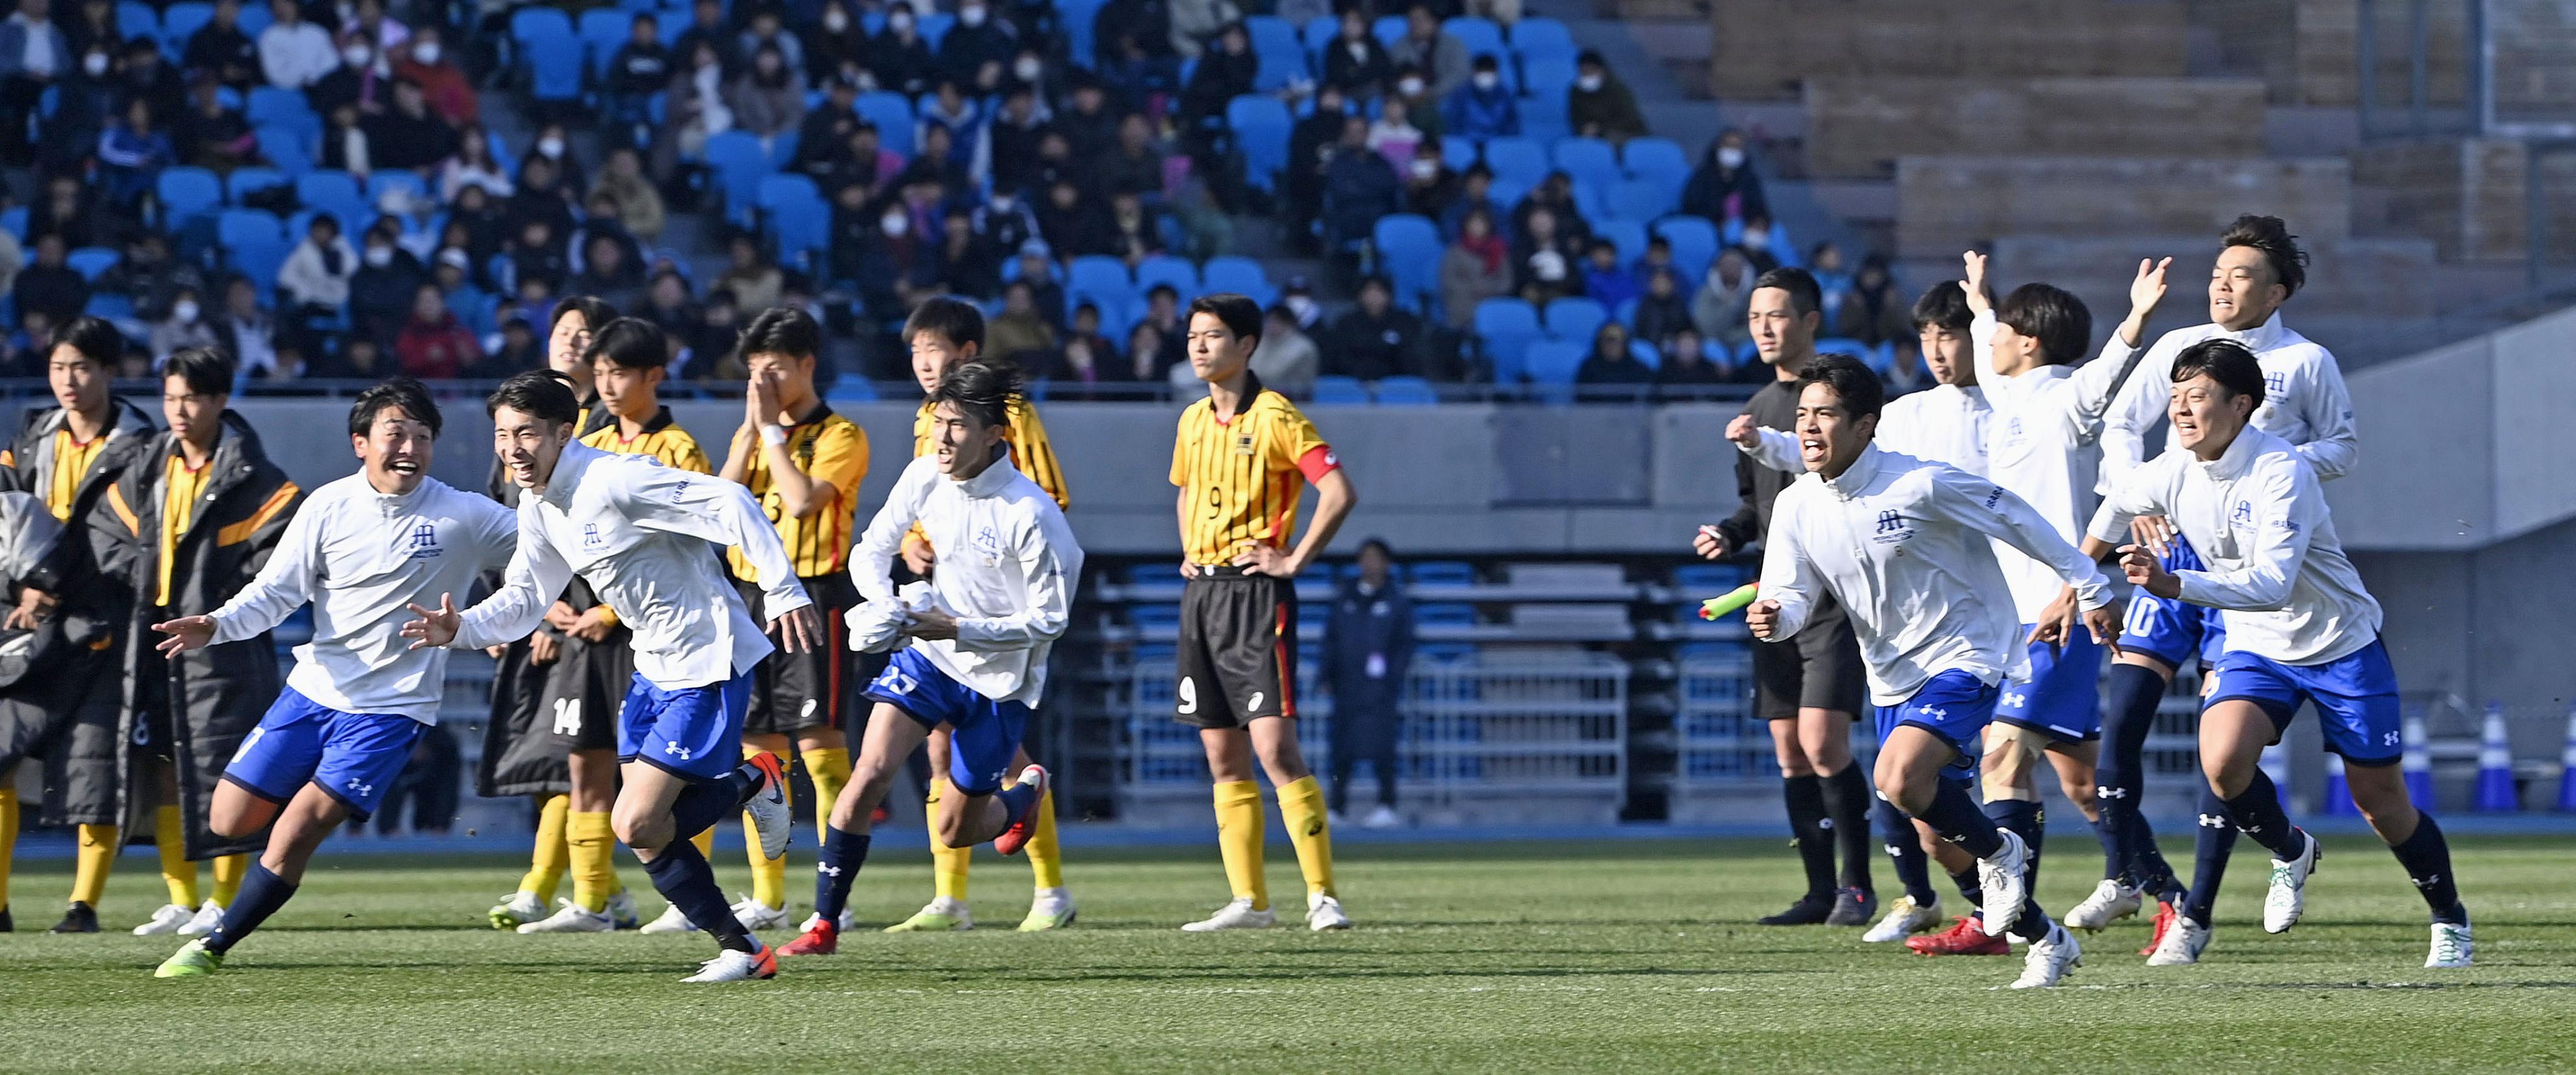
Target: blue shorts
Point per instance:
(1952, 705)
(2355, 696)
(984, 734)
(2064, 694)
(353, 757)
(692, 732)
(2172, 630)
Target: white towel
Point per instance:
(877, 626)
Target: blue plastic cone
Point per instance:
(2338, 792)
(2417, 762)
(2567, 780)
(2495, 766)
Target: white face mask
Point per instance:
(380, 256)
(185, 310)
(550, 146)
(971, 16)
(899, 22)
(1028, 69)
(1590, 83)
(1730, 157)
(1756, 240)
(1487, 80)
(426, 53)
(1425, 168)
(1410, 87)
(835, 22)
(95, 63)
(357, 55)
(895, 224)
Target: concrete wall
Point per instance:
(2326, 40)
(1859, 126)
(2350, 276)
(1946, 204)
(1764, 48)
(2471, 196)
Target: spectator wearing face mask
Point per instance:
(1482, 108)
(1598, 105)
(1724, 187)
(1429, 186)
(836, 46)
(185, 327)
(385, 285)
(315, 276)
(1546, 260)
(1718, 309)
(358, 81)
(901, 58)
(1354, 62)
(1429, 48)
(294, 54)
(768, 100)
(245, 331)
(1755, 242)
(450, 93)
(977, 49)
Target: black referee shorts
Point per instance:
(1818, 669)
(1238, 659)
(794, 691)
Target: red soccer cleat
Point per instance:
(1016, 837)
(1964, 938)
(2164, 921)
(821, 938)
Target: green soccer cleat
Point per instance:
(942, 915)
(192, 961)
(1053, 909)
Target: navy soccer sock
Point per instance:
(2216, 842)
(262, 893)
(2259, 815)
(1972, 890)
(2027, 821)
(1955, 816)
(2427, 858)
(683, 877)
(1847, 801)
(1913, 867)
(2129, 844)
(701, 805)
(836, 871)
(1806, 799)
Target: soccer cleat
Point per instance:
(1016, 835)
(1383, 817)
(78, 918)
(849, 920)
(673, 920)
(621, 910)
(820, 938)
(1808, 911)
(2288, 898)
(733, 966)
(2452, 947)
(192, 960)
(2049, 959)
(1852, 907)
(1052, 909)
(8, 922)
(570, 917)
(2181, 945)
(2165, 916)
(1963, 938)
(204, 921)
(755, 915)
(1905, 918)
(2110, 902)
(1325, 913)
(768, 809)
(2004, 879)
(940, 915)
(521, 908)
(1236, 915)
(168, 919)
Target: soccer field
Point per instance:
(1597, 957)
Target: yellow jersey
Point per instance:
(662, 439)
(181, 487)
(1242, 473)
(826, 447)
(71, 461)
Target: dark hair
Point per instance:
(631, 342)
(594, 312)
(979, 390)
(955, 320)
(1485, 61)
(208, 370)
(543, 393)
(1804, 296)
(1853, 382)
(782, 330)
(1240, 315)
(2271, 235)
(400, 393)
(2051, 315)
(1377, 543)
(2225, 361)
(1945, 304)
(93, 337)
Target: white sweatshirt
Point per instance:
(1903, 544)
(2304, 400)
(361, 557)
(2257, 516)
(1943, 423)
(638, 532)
(2044, 445)
(1008, 567)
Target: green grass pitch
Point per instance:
(1516, 958)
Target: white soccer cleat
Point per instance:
(770, 817)
(756, 915)
(2184, 941)
(2452, 947)
(1236, 915)
(1325, 913)
(1050, 908)
(2288, 897)
(849, 920)
(1904, 918)
(168, 919)
(208, 917)
(2049, 959)
(570, 917)
(621, 910)
(518, 909)
(673, 920)
(2003, 880)
(2110, 902)
(1383, 817)
(733, 966)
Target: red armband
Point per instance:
(1318, 461)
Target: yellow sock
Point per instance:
(546, 864)
(98, 847)
(1301, 805)
(706, 842)
(170, 837)
(948, 865)
(1046, 859)
(1238, 840)
(768, 875)
(829, 771)
(594, 866)
(8, 838)
(229, 871)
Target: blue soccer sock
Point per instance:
(2217, 840)
(837, 870)
(2128, 715)
(703, 804)
(2427, 858)
(262, 893)
(1971, 889)
(1955, 816)
(683, 877)
(1913, 867)
(2259, 815)
(1016, 801)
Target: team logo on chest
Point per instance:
(421, 541)
(1892, 528)
(592, 538)
(988, 541)
(2242, 514)
(1243, 444)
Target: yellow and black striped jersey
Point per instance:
(1242, 473)
(662, 439)
(826, 447)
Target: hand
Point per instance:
(562, 616)
(800, 631)
(543, 649)
(2147, 572)
(1263, 559)
(495, 652)
(1709, 544)
(1761, 618)
(2149, 288)
(186, 633)
(593, 626)
(2153, 531)
(1974, 266)
(2057, 621)
(2104, 622)
(762, 400)
(34, 606)
(918, 557)
(1189, 570)
(435, 627)
(1743, 432)
(932, 624)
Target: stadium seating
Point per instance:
(1408, 247)
(1553, 362)
(1481, 36)
(1589, 161)
(1574, 319)
(1261, 126)
(1240, 275)
(1694, 243)
(1166, 269)
(1539, 38)
(187, 192)
(1342, 391)
(1521, 160)
(1507, 327)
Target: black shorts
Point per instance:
(584, 689)
(1238, 658)
(1818, 669)
(815, 689)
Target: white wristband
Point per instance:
(774, 434)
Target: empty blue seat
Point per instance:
(1481, 36)
(1640, 199)
(1542, 38)
(269, 105)
(137, 19)
(1552, 362)
(1389, 29)
(1459, 152)
(181, 21)
(1442, 573)
(1837, 345)
(1444, 614)
(379, 183)
(1694, 243)
(1657, 158)
(1166, 269)
(739, 161)
(1574, 319)
(289, 150)
(1282, 56)
(1240, 275)
(1547, 80)
(1340, 390)
(1506, 326)
(1646, 354)
(1406, 392)
(535, 22)
(555, 65)
(892, 113)
(186, 192)
(335, 192)
(1520, 160)
(603, 32)
(254, 18)
(800, 223)
(237, 226)
(1588, 160)
(1317, 35)
(90, 261)
(1261, 128)
(248, 179)
(1097, 275)
(1408, 251)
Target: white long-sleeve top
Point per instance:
(2304, 400)
(638, 532)
(1008, 566)
(1903, 544)
(1943, 423)
(361, 557)
(2044, 444)
(2257, 516)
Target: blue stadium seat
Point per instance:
(1408, 252)
(380, 182)
(270, 106)
(1646, 354)
(738, 160)
(1345, 391)
(181, 21)
(1406, 392)
(852, 390)
(555, 65)
(1506, 326)
(1547, 79)
(1282, 56)
(1543, 117)
(286, 148)
(603, 32)
(1837, 345)
(1444, 614)
(892, 113)
(1317, 35)
(1552, 362)
(1261, 128)
(934, 26)
(1481, 36)
(251, 178)
(110, 306)
(1389, 29)
(1588, 160)
(1098, 275)
(1575, 319)
(137, 19)
(1656, 158)
(1459, 152)
(800, 223)
(1077, 17)
(1694, 243)
(532, 23)
(337, 193)
(1640, 200)
(1166, 269)
(1442, 573)
(14, 221)
(235, 227)
(1541, 38)
(1241, 275)
(775, 190)
(186, 192)
(1521, 160)
(1628, 235)
(90, 261)
(254, 18)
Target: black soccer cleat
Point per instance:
(1853, 907)
(1808, 911)
(7, 924)
(79, 918)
